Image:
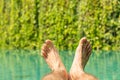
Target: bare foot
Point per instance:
(51, 56)
(82, 54)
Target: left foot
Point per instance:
(51, 56)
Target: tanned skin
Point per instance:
(52, 58)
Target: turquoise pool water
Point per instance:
(28, 65)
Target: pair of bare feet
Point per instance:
(51, 56)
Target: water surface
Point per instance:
(28, 65)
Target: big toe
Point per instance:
(49, 43)
(83, 41)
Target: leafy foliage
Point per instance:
(27, 24)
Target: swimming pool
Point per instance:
(28, 65)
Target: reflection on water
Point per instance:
(28, 65)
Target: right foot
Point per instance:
(51, 56)
(82, 54)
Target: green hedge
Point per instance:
(26, 24)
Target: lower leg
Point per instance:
(55, 75)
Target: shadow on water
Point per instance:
(28, 65)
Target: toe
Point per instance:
(44, 45)
(83, 41)
(43, 54)
(88, 45)
(47, 41)
(89, 51)
(44, 50)
(49, 44)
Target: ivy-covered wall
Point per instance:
(26, 24)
